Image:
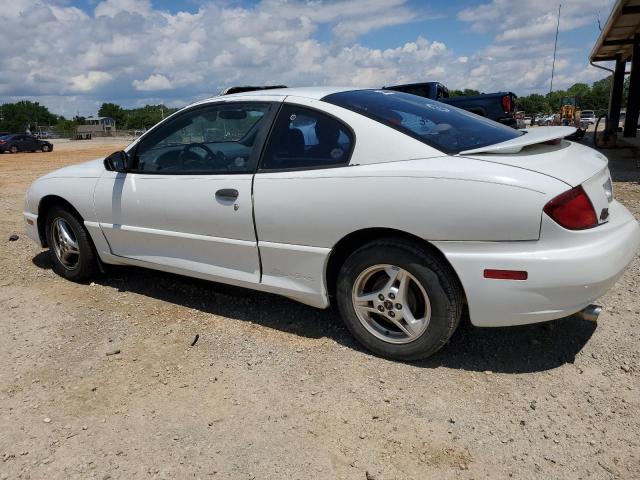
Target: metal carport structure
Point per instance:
(620, 41)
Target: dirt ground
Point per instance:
(275, 390)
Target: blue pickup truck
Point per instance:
(499, 106)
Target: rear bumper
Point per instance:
(567, 270)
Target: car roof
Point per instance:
(315, 93)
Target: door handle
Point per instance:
(227, 194)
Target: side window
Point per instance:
(304, 138)
(212, 139)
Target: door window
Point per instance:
(220, 138)
(305, 139)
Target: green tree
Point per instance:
(534, 103)
(113, 111)
(65, 128)
(20, 116)
(465, 92)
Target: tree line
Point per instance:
(25, 115)
(19, 116)
(590, 97)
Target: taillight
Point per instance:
(2, 142)
(573, 210)
(506, 103)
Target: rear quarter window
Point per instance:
(439, 125)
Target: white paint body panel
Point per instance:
(569, 162)
(568, 270)
(176, 220)
(481, 210)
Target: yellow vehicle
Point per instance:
(570, 116)
(570, 112)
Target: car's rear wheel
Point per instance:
(70, 247)
(398, 300)
(45, 148)
(13, 149)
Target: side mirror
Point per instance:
(117, 162)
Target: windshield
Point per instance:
(439, 125)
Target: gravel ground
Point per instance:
(273, 389)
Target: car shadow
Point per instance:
(523, 349)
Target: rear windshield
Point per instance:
(441, 126)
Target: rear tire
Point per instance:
(13, 149)
(398, 300)
(72, 254)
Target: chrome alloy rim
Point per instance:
(65, 244)
(391, 304)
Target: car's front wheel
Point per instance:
(70, 247)
(398, 300)
(45, 148)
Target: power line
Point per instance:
(555, 47)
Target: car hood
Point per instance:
(90, 169)
(567, 161)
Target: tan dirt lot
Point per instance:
(277, 390)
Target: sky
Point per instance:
(73, 55)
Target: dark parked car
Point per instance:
(23, 143)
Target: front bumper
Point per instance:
(31, 226)
(567, 270)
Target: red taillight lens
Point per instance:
(2, 142)
(573, 210)
(506, 103)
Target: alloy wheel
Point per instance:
(65, 244)
(391, 304)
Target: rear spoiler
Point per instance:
(530, 137)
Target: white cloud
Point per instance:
(111, 8)
(521, 54)
(126, 48)
(154, 82)
(89, 81)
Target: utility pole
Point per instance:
(555, 47)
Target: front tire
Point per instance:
(72, 253)
(397, 300)
(45, 148)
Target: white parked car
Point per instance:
(547, 120)
(398, 208)
(588, 116)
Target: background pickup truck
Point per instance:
(499, 106)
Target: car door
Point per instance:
(186, 203)
(31, 143)
(20, 143)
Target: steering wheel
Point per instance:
(217, 156)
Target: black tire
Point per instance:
(434, 275)
(13, 149)
(46, 148)
(87, 263)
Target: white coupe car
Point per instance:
(399, 209)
